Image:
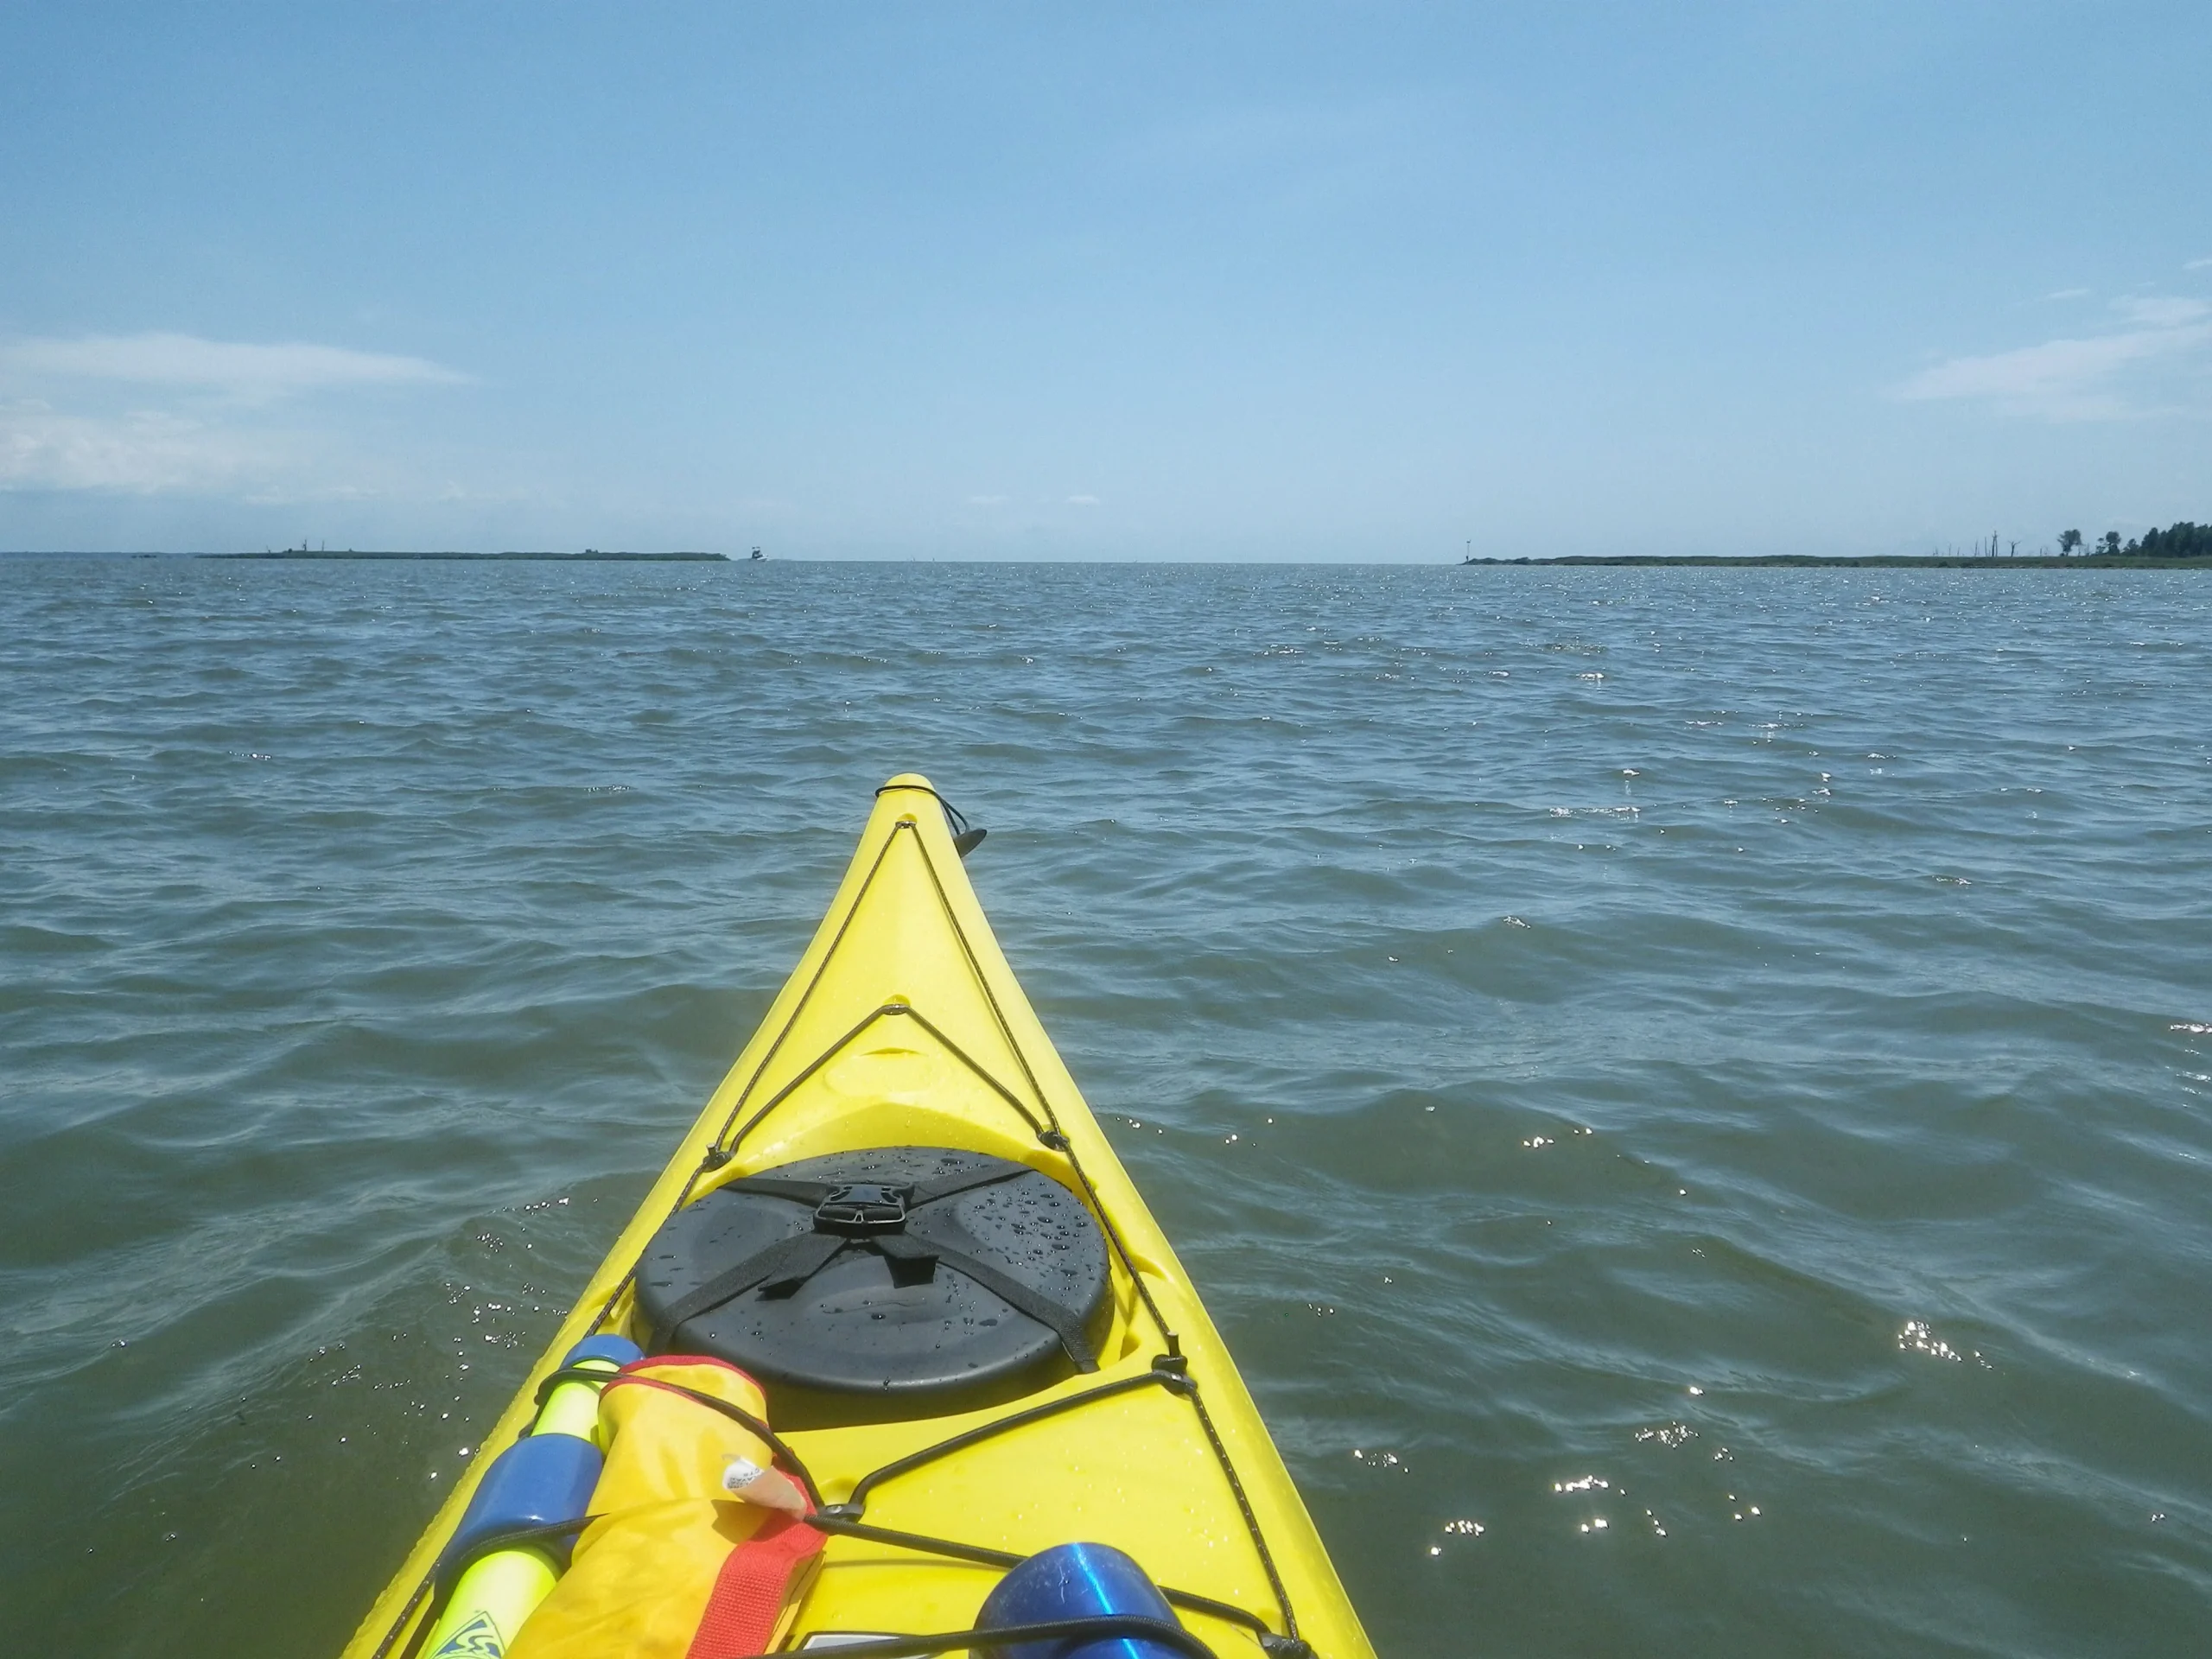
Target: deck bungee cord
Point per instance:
(1049, 1135)
(845, 1518)
(905, 1227)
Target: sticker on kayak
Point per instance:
(478, 1639)
(842, 1639)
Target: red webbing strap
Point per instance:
(749, 1597)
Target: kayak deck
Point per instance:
(903, 1025)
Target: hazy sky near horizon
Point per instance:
(1157, 281)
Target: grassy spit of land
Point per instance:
(591, 554)
(2184, 546)
(1875, 561)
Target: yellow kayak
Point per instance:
(896, 1244)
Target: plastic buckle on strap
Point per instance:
(860, 1208)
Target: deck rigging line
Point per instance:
(1169, 1370)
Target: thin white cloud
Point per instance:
(2086, 378)
(236, 368)
(1082, 500)
(2198, 264)
(2162, 313)
(2068, 294)
(43, 449)
(141, 414)
(151, 453)
(987, 501)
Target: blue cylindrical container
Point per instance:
(1077, 1581)
(620, 1350)
(542, 1480)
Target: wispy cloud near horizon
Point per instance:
(238, 368)
(151, 413)
(45, 449)
(2076, 380)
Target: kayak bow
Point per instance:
(902, 1028)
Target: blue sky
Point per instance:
(1151, 281)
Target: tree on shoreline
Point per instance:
(2182, 541)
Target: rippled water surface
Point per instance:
(1686, 1090)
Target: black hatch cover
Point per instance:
(908, 1272)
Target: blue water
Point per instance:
(1686, 1090)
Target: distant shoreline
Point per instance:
(571, 558)
(1691, 561)
(1871, 561)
